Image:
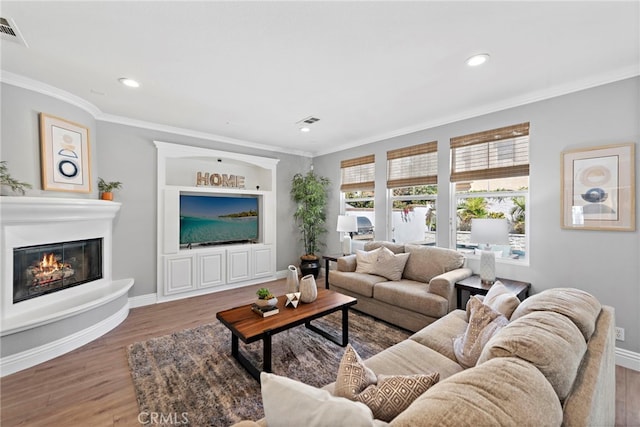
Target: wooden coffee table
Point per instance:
(246, 325)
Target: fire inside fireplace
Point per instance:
(43, 269)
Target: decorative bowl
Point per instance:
(267, 302)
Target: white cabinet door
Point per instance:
(262, 262)
(238, 264)
(179, 274)
(212, 269)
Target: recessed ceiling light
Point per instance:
(476, 60)
(305, 129)
(128, 82)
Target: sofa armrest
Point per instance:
(444, 284)
(347, 263)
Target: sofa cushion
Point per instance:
(366, 260)
(484, 322)
(358, 283)
(353, 375)
(288, 402)
(548, 340)
(501, 392)
(396, 248)
(413, 296)
(439, 335)
(394, 393)
(426, 262)
(500, 299)
(579, 306)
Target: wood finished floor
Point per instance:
(91, 386)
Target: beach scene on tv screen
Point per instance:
(218, 219)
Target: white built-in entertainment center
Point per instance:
(185, 271)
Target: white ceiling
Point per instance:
(248, 71)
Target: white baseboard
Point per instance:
(27, 359)
(628, 359)
(142, 300)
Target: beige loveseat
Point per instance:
(552, 364)
(424, 293)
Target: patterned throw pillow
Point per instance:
(387, 395)
(390, 265)
(353, 375)
(484, 322)
(366, 261)
(393, 394)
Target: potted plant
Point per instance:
(310, 194)
(266, 298)
(6, 180)
(106, 188)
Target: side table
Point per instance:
(327, 259)
(474, 286)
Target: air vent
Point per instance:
(9, 31)
(309, 120)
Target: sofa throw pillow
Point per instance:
(500, 299)
(484, 322)
(288, 402)
(366, 261)
(394, 393)
(390, 265)
(353, 375)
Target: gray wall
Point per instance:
(604, 263)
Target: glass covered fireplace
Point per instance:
(43, 269)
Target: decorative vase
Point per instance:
(292, 279)
(308, 289)
(267, 302)
(310, 266)
(106, 195)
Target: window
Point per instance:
(357, 194)
(490, 179)
(412, 177)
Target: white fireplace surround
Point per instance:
(28, 221)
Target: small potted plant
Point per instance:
(266, 298)
(106, 188)
(7, 180)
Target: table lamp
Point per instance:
(489, 232)
(347, 224)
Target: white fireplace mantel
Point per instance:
(29, 221)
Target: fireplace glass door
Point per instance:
(43, 269)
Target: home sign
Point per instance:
(219, 180)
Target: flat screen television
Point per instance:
(210, 220)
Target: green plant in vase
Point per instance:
(106, 188)
(7, 180)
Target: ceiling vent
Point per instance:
(9, 31)
(308, 121)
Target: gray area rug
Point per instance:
(192, 372)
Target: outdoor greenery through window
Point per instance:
(412, 176)
(490, 175)
(357, 194)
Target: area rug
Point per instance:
(191, 375)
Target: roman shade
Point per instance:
(358, 173)
(415, 165)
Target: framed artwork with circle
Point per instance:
(598, 188)
(65, 159)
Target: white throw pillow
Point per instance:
(291, 403)
(366, 261)
(390, 265)
(500, 299)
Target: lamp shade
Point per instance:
(490, 231)
(347, 223)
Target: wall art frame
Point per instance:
(598, 188)
(64, 155)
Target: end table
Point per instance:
(327, 259)
(474, 286)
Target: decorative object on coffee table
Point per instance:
(489, 231)
(293, 284)
(293, 299)
(308, 289)
(266, 298)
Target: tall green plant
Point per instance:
(309, 192)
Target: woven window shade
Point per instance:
(358, 173)
(498, 153)
(415, 165)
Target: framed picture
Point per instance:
(65, 160)
(598, 188)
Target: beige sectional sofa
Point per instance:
(424, 292)
(552, 364)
